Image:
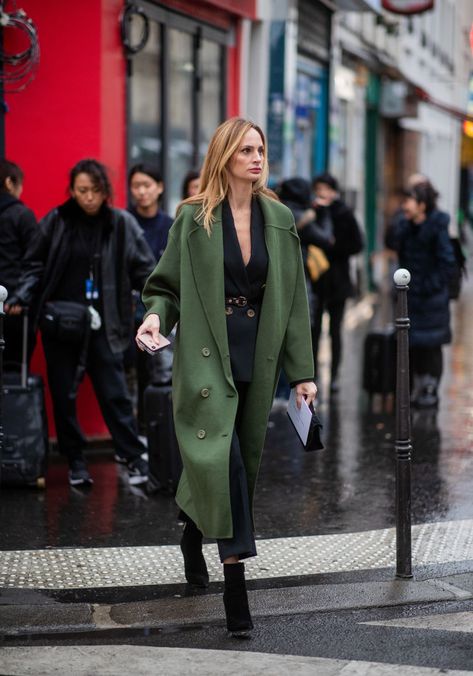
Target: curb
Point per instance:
(201, 609)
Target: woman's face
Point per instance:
(87, 194)
(247, 162)
(14, 189)
(145, 190)
(413, 210)
(193, 187)
(324, 194)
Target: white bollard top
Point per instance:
(3, 294)
(402, 277)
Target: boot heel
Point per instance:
(235, 601)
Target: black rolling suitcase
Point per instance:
(25, 449)
(165, 465)
(379, 362)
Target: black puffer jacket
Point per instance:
(19, 234)
(425, 251)
(126, 261)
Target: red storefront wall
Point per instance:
(75, 108)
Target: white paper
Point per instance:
(300, 417)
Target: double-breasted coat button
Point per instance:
(228, 310)
(204, 392)
(201, 434)
(206, 352)
(251, 313)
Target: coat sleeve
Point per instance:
(444, 263)
(139, 257)
(311, 234)
(36, 238)
(161, 294)
(298, 363)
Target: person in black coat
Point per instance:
(18, 236)
(336, 231)
(422, 242)
(146, 188)
(91, 256)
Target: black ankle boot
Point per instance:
(195, 567)
(235, 600)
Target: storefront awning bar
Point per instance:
(358, 5)
(450, 110)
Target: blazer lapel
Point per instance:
(206, 254)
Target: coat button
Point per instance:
(251, 313)
(201, 434)
(228, 310)
(204, 392)
(206, 352)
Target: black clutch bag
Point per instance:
(310, 438)
(314, 442)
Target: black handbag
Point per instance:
(314, 442)
(65, 320)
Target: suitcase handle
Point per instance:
(24, 352)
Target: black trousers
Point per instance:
(108, 379)
(242, 544)
(426, 361)
(335, 310)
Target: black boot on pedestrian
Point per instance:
(195, 567)
(235, 600)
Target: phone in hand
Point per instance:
(149, 345)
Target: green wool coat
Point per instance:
(187, 286)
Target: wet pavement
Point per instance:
(349, 487)
(92, 581)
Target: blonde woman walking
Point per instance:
(232, 278)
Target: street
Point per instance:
(102, 567)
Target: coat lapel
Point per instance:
(277, 280)
(206, 254)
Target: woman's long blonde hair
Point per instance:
(223, 145)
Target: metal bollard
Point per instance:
(403, 430)
(3, 297)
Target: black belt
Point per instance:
(239, 301)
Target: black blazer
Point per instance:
(248, 281)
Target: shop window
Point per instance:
(176, 95)
(145, 101)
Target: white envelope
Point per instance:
(300, 417)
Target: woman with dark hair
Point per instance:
(89, 259)
(18, 234)
(422, 242)
(190, 184)
(146, 188)
(233, 279)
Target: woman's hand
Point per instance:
(150, 327)
(13, 309)
(307, 391)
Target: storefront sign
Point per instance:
(393, 98)
(345, 83)
(407, 6)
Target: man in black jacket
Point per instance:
(90, 256)
(340, 237)
(19, 233)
